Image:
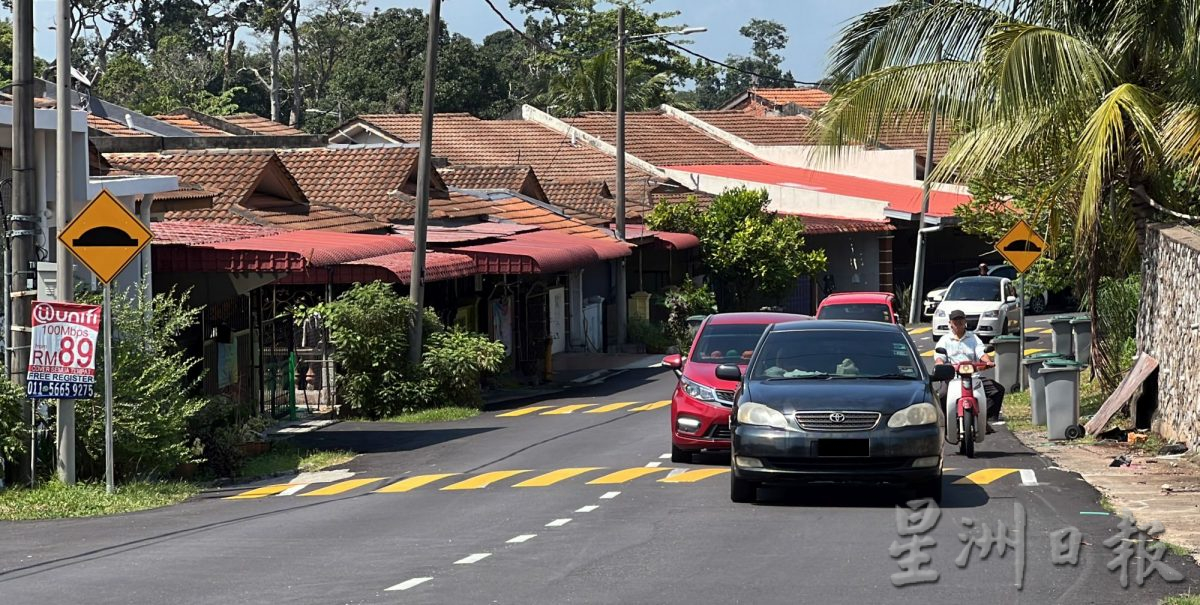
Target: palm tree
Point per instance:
(592, 85)
(1102, 96)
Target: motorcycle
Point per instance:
(966, 403)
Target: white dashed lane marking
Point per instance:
(1028, 477)
(587, 509)
(475, 558)
(522, 538)
(558, 523)
(610, 495)
(405, 585)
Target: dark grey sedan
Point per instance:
(840, 401)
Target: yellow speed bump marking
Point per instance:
(651, 406)
(927, 354)
(1032, 351)
(612, 407)
(410, 483)
(343, 486)
(261, 492)
(694, 476)
(523, 411)
(553, 477)
(482, 481)
(1048, 331)
(921, 330)
(1028, 330)
(985, 476)
(567, 409)
(628, 474)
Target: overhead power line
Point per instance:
(738, 69)
(533, 42)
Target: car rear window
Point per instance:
(862, 311)
(974, 289)
(817, 353)
(728, 343)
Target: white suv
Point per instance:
(990, 304)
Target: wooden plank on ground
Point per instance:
(1142, 367)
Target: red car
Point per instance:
(701, 403)
(865, 306)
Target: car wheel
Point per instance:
(1037, 306)
(680, 456)
(741, 490)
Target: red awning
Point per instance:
(824, 225)
(397, 267)
(674, 241)
(286, 252)
(606, 248)
(514, 257)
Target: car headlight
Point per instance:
(761, 415)
(991, 313)
(698, 391)
(914, 415)
(940, 313)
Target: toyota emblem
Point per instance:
(837, 417)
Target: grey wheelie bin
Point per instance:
(1062, 398)
(1008, 366)
(1081, 331)
(1037, 384)
(1061, 339)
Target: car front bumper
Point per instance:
(713, 433)
(792, 456)
(984, 326)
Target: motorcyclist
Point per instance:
(961, 345)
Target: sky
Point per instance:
(812, 24)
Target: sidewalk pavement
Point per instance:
(1152, 487)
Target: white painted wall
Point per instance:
(788, 198)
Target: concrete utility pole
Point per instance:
(64, 276)
(622, 295)
(918, 285)
(416, 288)
(24, 218)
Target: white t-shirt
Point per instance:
(969, 348)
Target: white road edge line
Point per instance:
(405, 585)
(558, 523)
(587, 509)
(522, 538)
(475, 558)
(610, 495)
(293, 489)
(653, 464)
(1028, 477)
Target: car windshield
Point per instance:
(727, 343)
(863, 311)
(828, 354)
(974, 289)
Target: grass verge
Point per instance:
(55, 500)
(1183, 599)
(284, 458)
(446, 414)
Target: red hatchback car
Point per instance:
(701, 403)
(865, 306)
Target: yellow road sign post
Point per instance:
(105, 236)
(1021, 247)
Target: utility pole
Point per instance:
(416, 288)
(622, 295)
(64, 276)
(24, 212)
(918, 284)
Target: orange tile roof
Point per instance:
(186, 122)
(590, 200)
(360, 179)
(811, 99)
(661, 140)
(235, 177)
(762, 130)
(465, 139)
(511, 178)
(522, 212)
(112, 128)
(261, 125)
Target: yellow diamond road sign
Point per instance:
(1021, 246)
(105, 236)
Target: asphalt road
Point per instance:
(568, 504)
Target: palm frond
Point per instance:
(1181, 135)
(1036, 67)
(1125, 122)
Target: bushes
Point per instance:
(1117, 303)
(368, 326)
(682, 302)
(153, 398)
(651, 334)
(14, 429)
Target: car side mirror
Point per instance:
(675, 362)
(942, 373)
(729, 371)
(940, 350)
(1011, 299)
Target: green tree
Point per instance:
(1103, 94)
(715, 86)
(754, 253)
(174, 76)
